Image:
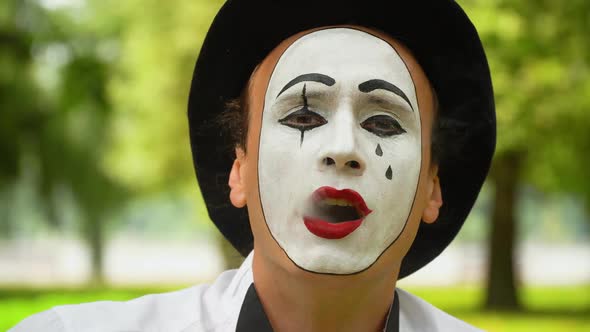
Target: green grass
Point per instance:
(547, 309)
(18, 303)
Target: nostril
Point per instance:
(329, 161)
(353, 164)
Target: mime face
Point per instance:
(337, 176)
(340, 150)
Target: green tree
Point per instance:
(158, 49)
(55, 106)
(539, 57)
(21, 108)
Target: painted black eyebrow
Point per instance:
(375, 84)
(312, 77)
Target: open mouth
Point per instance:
(336, 213)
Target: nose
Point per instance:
(341, 151)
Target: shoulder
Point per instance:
(419, 315)
(207, 307)
(47, 321)
(155, 312)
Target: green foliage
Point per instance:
(158, 48)
(540, 61)
(21, 109)
(55, 108)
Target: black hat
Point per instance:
(439, 35)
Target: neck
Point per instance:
(316, 302)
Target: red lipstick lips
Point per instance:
(329, 230)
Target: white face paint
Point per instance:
(363, 136)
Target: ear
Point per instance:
(434, 203)
(237, 194)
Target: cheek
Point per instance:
(280, 151)
(284, 168)
(394, 162)
(424, 179)
(400, 195)
(251, 168)
(278, 159)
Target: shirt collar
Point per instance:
(253, 318)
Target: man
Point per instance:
(352, 123)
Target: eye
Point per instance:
(382, 126)
(303, 119)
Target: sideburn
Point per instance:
(233, 121)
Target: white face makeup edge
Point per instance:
(340, 150)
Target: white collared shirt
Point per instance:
(215, 307)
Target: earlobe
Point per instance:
(237, 194)
(434, 203)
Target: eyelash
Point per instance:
(313, 120)
(382, 126)
(304, 119)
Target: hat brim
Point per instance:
(439, 35)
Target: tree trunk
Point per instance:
(6, 211)
(95, 239)
(501, 283)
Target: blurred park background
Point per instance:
(99, 201)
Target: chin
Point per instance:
(334, 261)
